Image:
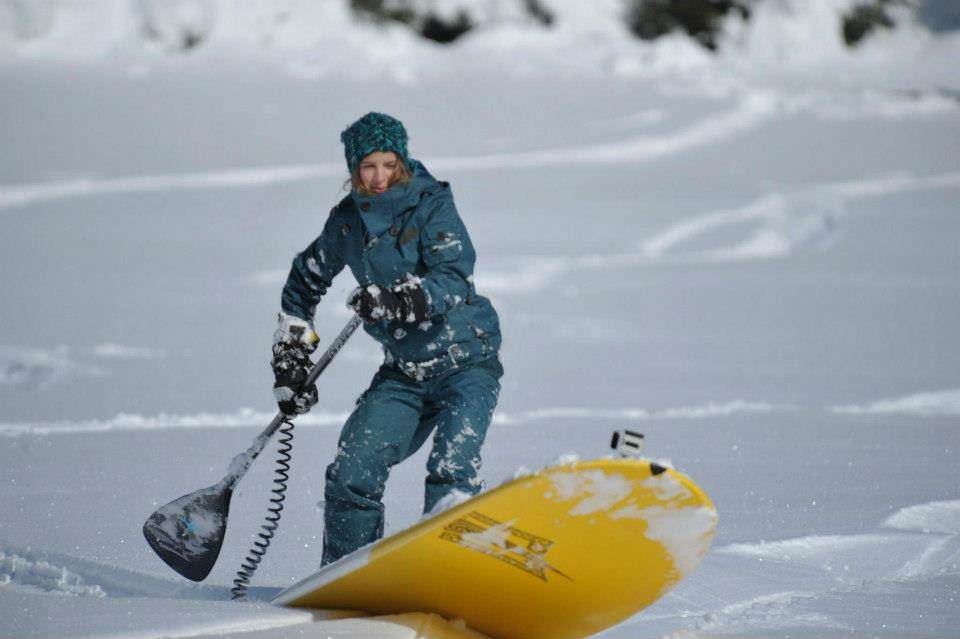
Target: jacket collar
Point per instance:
(379, 212)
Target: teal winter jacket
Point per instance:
(409, 230)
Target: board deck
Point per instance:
(564, 553)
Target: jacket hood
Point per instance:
(399, 198)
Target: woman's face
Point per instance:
(376, 170)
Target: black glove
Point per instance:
(405, 302)
(293, 341)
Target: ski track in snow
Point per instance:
(782, 223)
(754, 107)
(804, 576)
(767, 611)
(775, 225)
(19, 195)
(924, 540)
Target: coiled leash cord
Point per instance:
(282, 474)
(268, 529)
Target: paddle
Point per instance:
(188, 532)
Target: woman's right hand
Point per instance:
(293, 341)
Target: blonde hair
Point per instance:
(401, 175)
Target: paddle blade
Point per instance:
(188, 532)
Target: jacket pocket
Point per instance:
(484, 339)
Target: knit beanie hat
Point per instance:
(373, 132)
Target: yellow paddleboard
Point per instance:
(564, 553)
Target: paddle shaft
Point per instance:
(241, 463)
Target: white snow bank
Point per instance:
(123, 421)
(682, 412)
(41, 575)
(930, 404)
(939, 520)
(108, 601)
(933, 517)
(946, 403)
(313, 40)
(61, 573)
(29, 614)
(246, 417)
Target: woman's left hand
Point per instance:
(405, 302)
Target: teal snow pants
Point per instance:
(393, 418)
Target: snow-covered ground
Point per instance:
(757, 269)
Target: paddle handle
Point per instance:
(241, 463)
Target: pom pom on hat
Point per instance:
(373, 132)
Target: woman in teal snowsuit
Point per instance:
(399, 232)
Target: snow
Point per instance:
(41, 367)
(686, 547)
(933, 403)
(934, 517)
(241, 418)
(594, 491)
(32, 193)
(750, 257)
(41, 575)
(452, 499)
(493, 540)
(111, 350)
(328, 574)
(665, 486)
